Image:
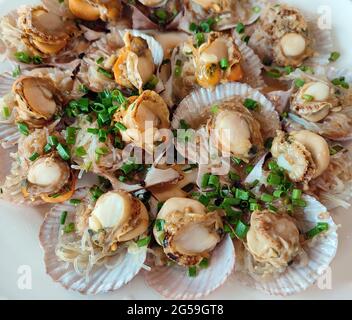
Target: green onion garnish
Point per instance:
(214, 181)
(319, 228)
(296, 194)
(242, 194)
(289, 69)
(102, 134)
(143, 242)
(23, 128)
(335, 149)
(96, 192)
(224, 63)
(34, 156)
(105, 73)
(75, 202)
(240, 27)
(69, 228)
(37, 60)
(23, 57)
(63, 217)
(241, 229)
(80, 151)
(266, 198)
(299, 203)
(192, 272)
(53, 141)
(159, 224)
(214, 109)
(234, 176)
(152, 83)
(63, 152)
(100, 60)
(204, 263)
(93, 130)
(308, 97)
(249, 168)
(101, 151)
(120, 126)
(273, 73)
(205, 180)
(341, 82)
(200, 39)
(299, 83)
(161, 14)
(47, 148)
(16, 72)
(70, 135)
(274, 179)
(254, 206)
(334, 56)
(6, 112)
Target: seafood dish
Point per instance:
(191, 142)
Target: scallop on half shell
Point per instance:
(224, 108)
(92, 247)
(125, 59)
(308, 260)
(220, 59)
(189, 236)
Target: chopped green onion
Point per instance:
(96, 193)
(200, 39)
(70, 135)
(152, 83)
(230, 202)
(254, 206)
(192, 272)
(69, 228)
(81, 151)
(256, 9)
(159, 224)
(237, 161)
(120, 126)
(296, 194)
(242, 194)
(93, 130)
(289, 69)
(47, 148)
(234, 176)
(178, 71)
(335, 149)
(274, 179)
(183, 124)
(23, 57)
(341, 82)
(63, 217)
(241, 229)
(224, 63)
(240, 27)
(100, 60)
(105, 73)
(102, 134)
(204, 200)
(205, 180)
(104, 117)
(307, 69)
(37, 60)
(53, 141)
(101, 151)
(6, 112)
(334, 56)
(266, 197)
(63, 152)
(83, 88)
(214, 109)
(308, 97)
(299, 83)
(75, 202)
(204, 263)
(34, 156)
(273, 165)
(249, 169)
(250, 104)
(299, 203)
(279, 193)
(273, 73)
(214, 181)
(143, 242)
(16, 72)
(161, 14)
(122, 178)
(272, 208)
(319, 228)
(193, 27)
(268, 143)
(23, 128)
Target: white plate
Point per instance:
(19, 226)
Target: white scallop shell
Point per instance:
(199, 100)
(321, 250)
(174, 283)
(102, 279)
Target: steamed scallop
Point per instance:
(38, 100)
(143, 119)
(217, 6)
(283, 36)
(47, 175)
(189, 233)
(314, 101)
(44, 33)
(121, 216)
(235, 130)
(217, 61)
(273, 238)
(134, 66)
(303, 154)
(92, 10)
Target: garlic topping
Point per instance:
(303, 154)
(273, 238)
(134, 66)
(120, 215)
(189, 233)
(92, 10)
(314, 101)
